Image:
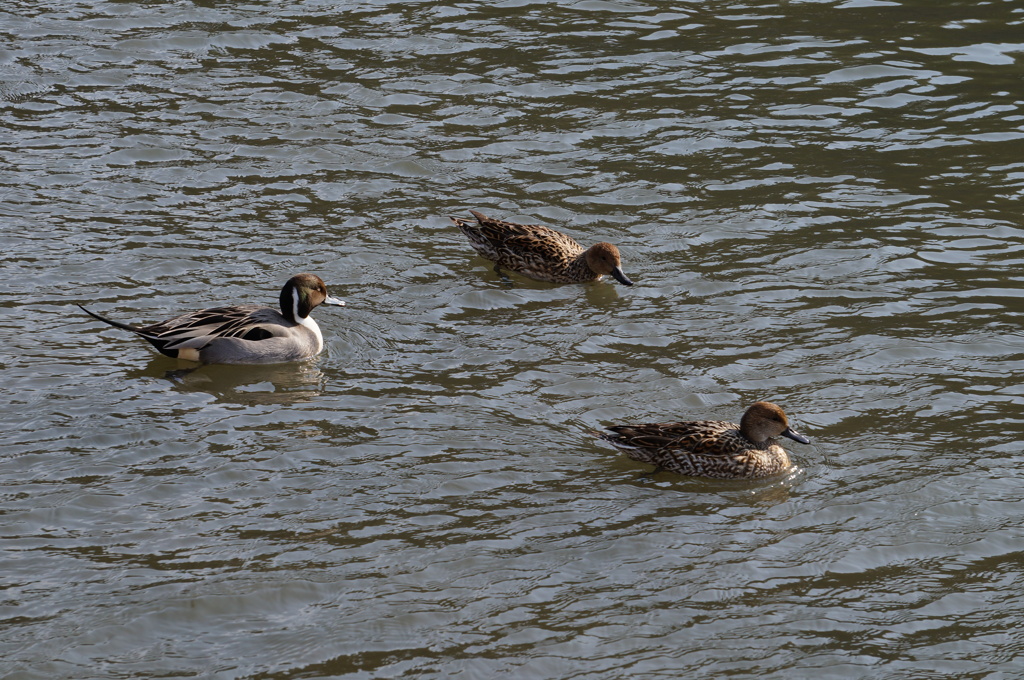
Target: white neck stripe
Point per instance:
(295, 306)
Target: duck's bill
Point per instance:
(620, 277)
(795, 436)
(333, 301)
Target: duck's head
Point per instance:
(302, 294)
(764, 421)
(603, 258)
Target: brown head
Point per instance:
(603, 258)
(764, 421)
(302, 294)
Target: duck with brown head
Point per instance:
(540, 252)
(243, 334)
(713, 448)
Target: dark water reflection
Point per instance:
(819, 202)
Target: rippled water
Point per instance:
(819, 202)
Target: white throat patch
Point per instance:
(307, 321)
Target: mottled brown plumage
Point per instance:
(713, 448)
(539, 252)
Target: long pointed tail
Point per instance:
(116, 324)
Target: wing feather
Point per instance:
(198, 329)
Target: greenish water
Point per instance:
(819, 203)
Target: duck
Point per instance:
(539, 252)
(712, 448)
(243, 334)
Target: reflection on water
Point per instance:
(291, 383)
(819, 203)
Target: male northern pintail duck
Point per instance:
(245, 334)
(713, 448)
(539, 252)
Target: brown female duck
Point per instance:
(539, 252)
(713, 448)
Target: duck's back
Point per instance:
(705, 437)
(195, 330)
(531, 249)
(702, 448)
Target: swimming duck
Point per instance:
(540, 253)
(713, 448)
(245, 334)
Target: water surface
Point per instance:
(819, 202)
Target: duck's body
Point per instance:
(713, 448)
(540, 252)
(243, 334)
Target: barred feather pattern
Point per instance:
(534, 250)
(703, 448)
(712, 448)
(197, 329)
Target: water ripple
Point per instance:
(819, 203)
